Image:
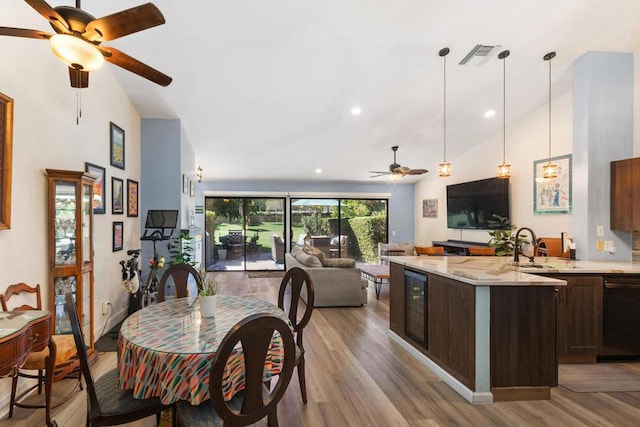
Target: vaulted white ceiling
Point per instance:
(264, 88)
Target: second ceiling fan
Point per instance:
(396, 169)
(79, 35)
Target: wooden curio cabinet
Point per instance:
(71, 248)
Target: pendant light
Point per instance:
(550, 170)
(504, 170)
(444, 168)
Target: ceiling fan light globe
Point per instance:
(444, 169)
(76, 53)
(504, 171)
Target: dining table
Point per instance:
(166, 350)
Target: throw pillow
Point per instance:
(295, 250)
(311, 250)
(339, 262)
(308, 260)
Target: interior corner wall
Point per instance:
(161, 181)
(603, 132)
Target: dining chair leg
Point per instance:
(272, 419)
(301, 379)
(14, 389)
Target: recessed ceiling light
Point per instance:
(355, 111)
(490, 113)
(318, 170)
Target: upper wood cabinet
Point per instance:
(625, 195)
(71, 248)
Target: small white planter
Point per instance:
(208, 305)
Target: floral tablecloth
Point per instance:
(166, 350)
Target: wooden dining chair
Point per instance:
(108, 405)
(430, 250)
(179, 273)
(66, 363)
(481, 251)
(300, 285)
(256, 401)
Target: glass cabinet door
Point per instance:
(86, 223)
(62, 286)
(65, 223)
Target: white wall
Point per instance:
(527, 141)
(46, 136)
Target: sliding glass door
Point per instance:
(244, 233)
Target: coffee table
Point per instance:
(376, 273)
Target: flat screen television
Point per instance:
(472, 204)
(162, 219)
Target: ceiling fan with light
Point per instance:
(396, 170)
(79, 35)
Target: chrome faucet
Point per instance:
(516, 249)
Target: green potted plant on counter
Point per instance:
(502, 236)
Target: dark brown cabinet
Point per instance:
(579, 325)
(625, 195)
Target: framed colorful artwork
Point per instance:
(6, 149)
(117, 195)
(132, 197)
(430, 208)
(98, 186)
(552, 196)
(118, 233)
(116, 144)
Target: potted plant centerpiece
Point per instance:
(208, 294)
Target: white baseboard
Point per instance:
(468, 394)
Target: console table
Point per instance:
(458, 247)
(20, 333)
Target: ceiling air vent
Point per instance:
(480, 50)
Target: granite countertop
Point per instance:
(500, 271)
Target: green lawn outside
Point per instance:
(265, 230)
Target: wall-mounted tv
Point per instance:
(472, 204)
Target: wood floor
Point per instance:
(356, 376)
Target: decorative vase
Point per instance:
(208, 305)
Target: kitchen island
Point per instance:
(484, 327)
(492, 330)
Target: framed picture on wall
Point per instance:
(98, 186)
(552, 196)
(117, 195)
(185, 184)
(430, 208)
(116, 144)
(6, 146)
(132, 197)
(192, 189)
(118, 233)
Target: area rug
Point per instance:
(598, 378)
(265, 274)
(109, 341)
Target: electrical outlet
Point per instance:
(105, 306)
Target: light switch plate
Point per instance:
(600, 231)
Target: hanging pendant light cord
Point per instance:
(444, 122)
(504, 110)
(550, 109)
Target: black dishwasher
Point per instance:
(415, 320)
(621, 317)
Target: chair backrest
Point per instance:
(297, 280)
(254, 333)
(479, 250)
(430, 250)
(70, 307)
(180, 274)
(17, 289)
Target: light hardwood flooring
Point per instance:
(356, 376)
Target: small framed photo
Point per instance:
(117, 195)
(116, 143)
(132, 197)
(118, 233)
(430, 208)
(99, 187)
(192, 189)
(185, 184)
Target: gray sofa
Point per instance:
(333, 287)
